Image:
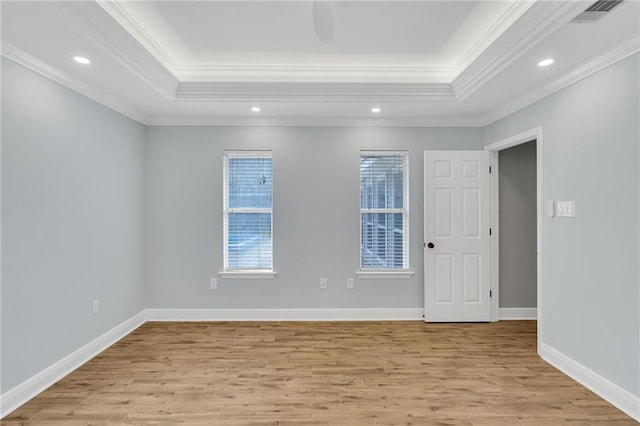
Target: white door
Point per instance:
(457, 246)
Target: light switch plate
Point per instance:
(566, 209)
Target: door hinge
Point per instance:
(424, 245)
(489, 231)
(490, 294)
(489, 169)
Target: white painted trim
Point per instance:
(539, 226)
(248, 274)
(508, 18)
(610, 57)
(614, 394)
(120, 15)
(520, 138)
(540, 20)
(384, 274)
(314, 73)
(288, 91)
(512, 141)
(313, 314)
(518, 314)
(123, 47)
(20, 394)
(495, 234)
(266, 121)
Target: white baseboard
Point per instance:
(15, 397)
(518, 313)
(614, 394)
(380, 314)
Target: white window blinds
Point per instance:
(248, 187)
(384, 211)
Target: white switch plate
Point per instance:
(323, 283)
(551, 208)
(349, 282)
(213, 283)
(95, 307)
(566, 209)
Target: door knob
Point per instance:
(431, 245)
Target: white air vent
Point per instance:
(596, 11)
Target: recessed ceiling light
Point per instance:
(81, 60)
(375, 109)
(545, 62)
(255, 109)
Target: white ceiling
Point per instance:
(423, 62)
(418, 34)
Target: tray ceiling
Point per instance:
(315, 62)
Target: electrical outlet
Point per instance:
(95, 307)
(323, 283)
(349, 282)
(213, 283)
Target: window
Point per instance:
(384, 211)
(248, 242)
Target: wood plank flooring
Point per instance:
(317, 373)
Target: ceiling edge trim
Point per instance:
(508, 18)
(312, 122)
(22, 58)
(131, 26)
(539, 21)
(588, 68)
(338, 74)
(124, 48)
(293, 92)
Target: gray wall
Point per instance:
(591, 300)
(517, 210)
(316, 215)
(75, 199)
(73, 196)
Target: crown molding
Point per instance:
(522, 25)
(20, 57)
(314, 73)
(312, 121)
(294, 92)
(540, 20)
(124, 47)
(508, 18)
(588, 68)
(122, 17)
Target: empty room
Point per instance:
(320, 212)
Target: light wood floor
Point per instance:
(346, 373)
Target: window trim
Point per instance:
(251, 273)
(405, 271)
(242, 273)
(384, 273)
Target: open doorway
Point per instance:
(526, 144)
(517, 285)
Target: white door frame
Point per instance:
(534, 134)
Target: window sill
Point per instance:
(384, 274)
(248, 274)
